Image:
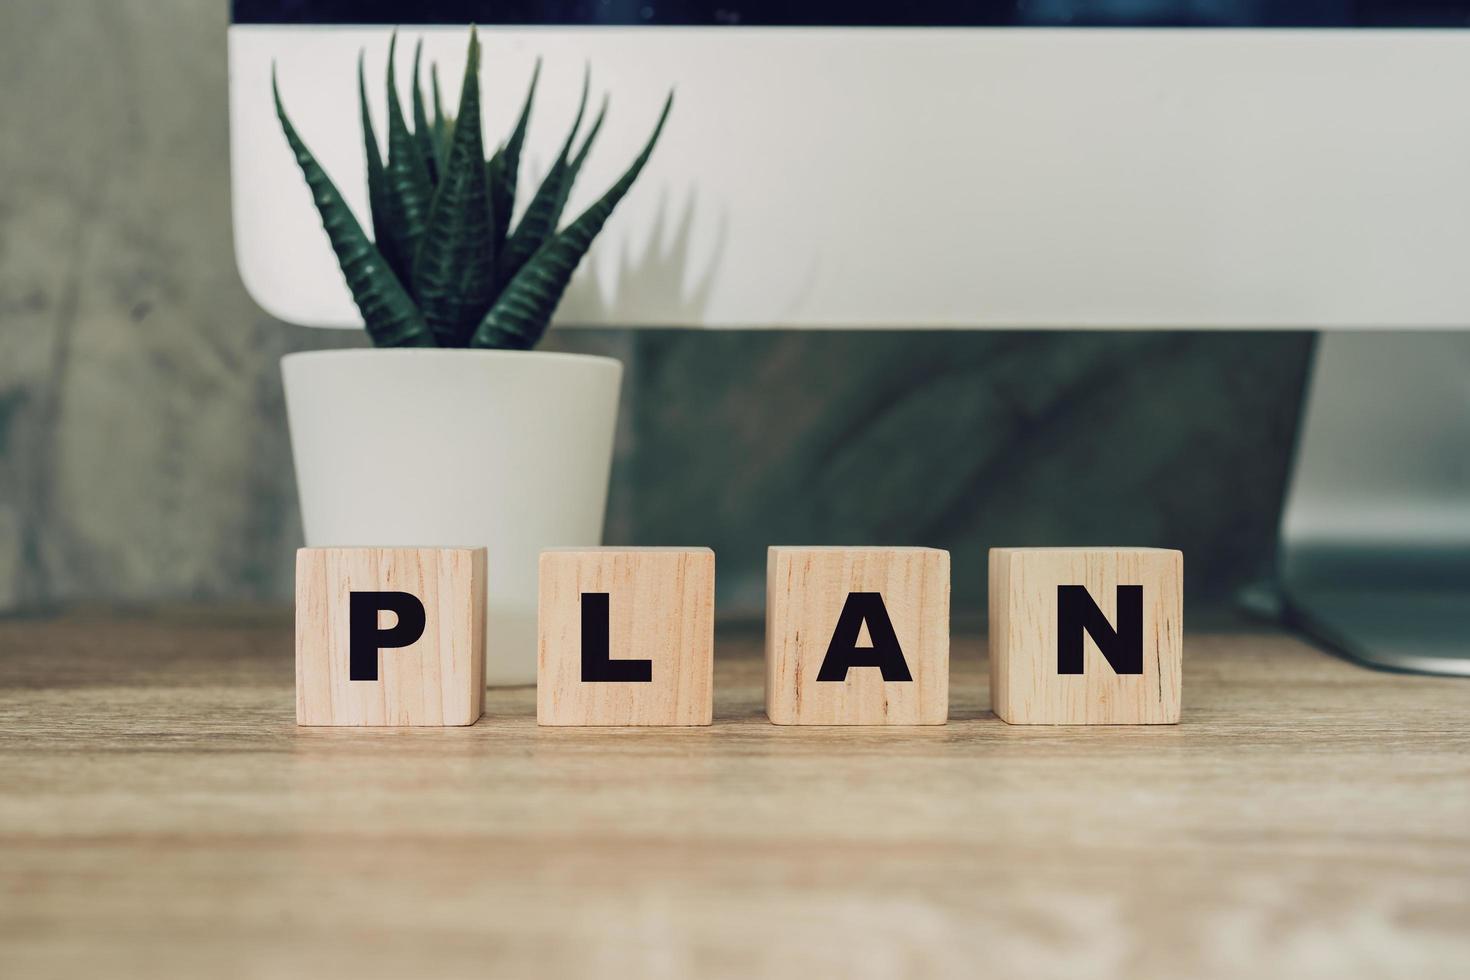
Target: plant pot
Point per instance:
(510, 450)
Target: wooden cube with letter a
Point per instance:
(1086, 636)
(627, 637)
(390, 636)
(857, 636)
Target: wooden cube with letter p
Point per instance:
(627, 637)
(857, 636)
(390, 636)
(1086, 636)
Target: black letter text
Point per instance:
(843, 652)
(365, 639)
(597, 662)
(1077, 613)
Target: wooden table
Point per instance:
(160, 815)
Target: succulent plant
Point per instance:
(444, 268)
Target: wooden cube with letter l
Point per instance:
(626, 637)
(390, 636)
(857, 636)
(1086, 636)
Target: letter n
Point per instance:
(1078, 614)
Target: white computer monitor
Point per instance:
(923, 165)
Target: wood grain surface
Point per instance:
(807, 590)
(660, 608)
(1025, 685)
(162, 816)
(439, 679)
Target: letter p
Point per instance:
(366, 638)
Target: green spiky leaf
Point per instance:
(391, 318)
(454, 272)
(438, 102)
(443, 124)
(504, 166)
(423, 135)
(376, 180)
(409, 193)
(538, 224)
(575, 167)
(521, 314)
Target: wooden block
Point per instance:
(1086, 636)
(857, 636)
(390, 636)
(627, 637)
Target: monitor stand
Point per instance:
(1374, 555)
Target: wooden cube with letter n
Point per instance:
(1086, 636)
(390, 636)
(857, 636)
(627, 637)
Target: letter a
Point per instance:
(844, 653)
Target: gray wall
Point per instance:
(143, 452)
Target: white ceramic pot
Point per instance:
(507, 449)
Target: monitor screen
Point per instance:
(865, 13)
